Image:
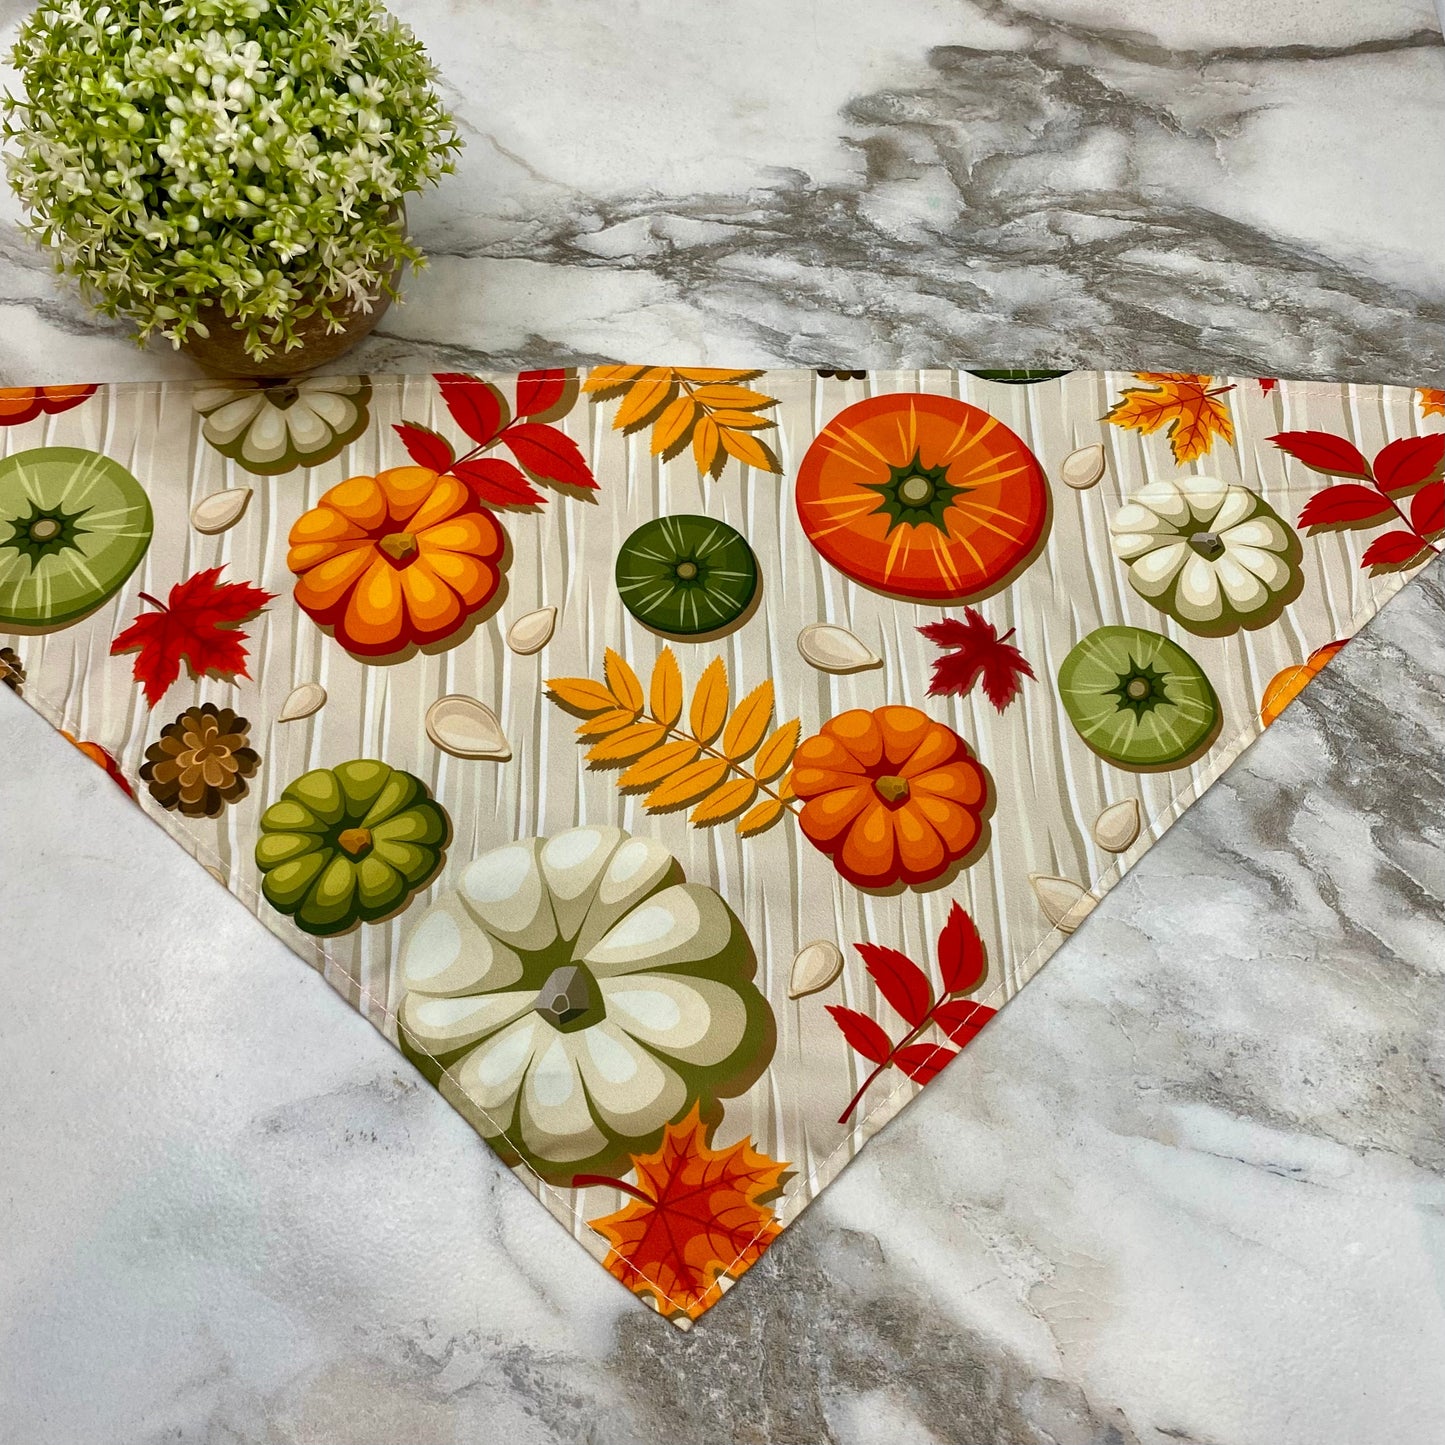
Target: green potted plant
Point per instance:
(230, 174)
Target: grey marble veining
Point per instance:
(1190, 1186)
(919, 183)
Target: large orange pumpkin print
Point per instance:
(399, 559)
(922, 496)
(1287, 684)
(25, 403)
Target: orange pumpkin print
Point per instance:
(102, 759)
(890, 795)
(401, 558)
(922, 496)
(1287, 684)
(25, 403)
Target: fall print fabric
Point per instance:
(682, 766)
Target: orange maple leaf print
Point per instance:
(1432, 401)
(1184, 403)
(696, 1215)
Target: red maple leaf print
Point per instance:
(975, 651)
(199, 625)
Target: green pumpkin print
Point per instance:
(73, 526)
(350, 844)
(1138, 700)
(1016, 377)
(686, 576)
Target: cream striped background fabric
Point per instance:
(1050, 786)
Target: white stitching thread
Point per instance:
(401, 378)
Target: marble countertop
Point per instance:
(833, 182)
(1173, 1194)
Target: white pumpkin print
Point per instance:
(574, 995)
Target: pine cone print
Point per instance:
(200, 762)
(11, 672)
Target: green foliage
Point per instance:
(177, 155)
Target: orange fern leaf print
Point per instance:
(702, 407)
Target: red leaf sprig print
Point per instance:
(1402, 485)
(908, 991)
(696, 1214)
(975, 652)
(424, 446)
(198, 624)
(542, 453)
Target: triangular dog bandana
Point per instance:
(682, 765)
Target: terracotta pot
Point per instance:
(223, 352)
